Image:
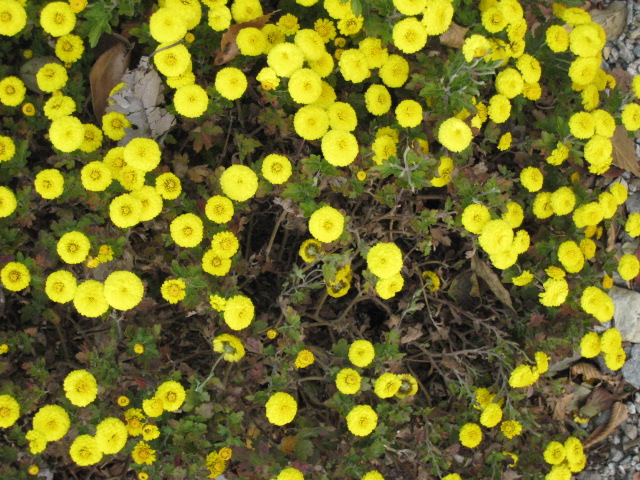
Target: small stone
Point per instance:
(633, 34)
(625, 53)
(627, 315)
(631, 407)
(589, 475)
(616, 456)
(636, 51)
(625, 460)
(630, 431)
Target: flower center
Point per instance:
(14, 276)
(58, 18)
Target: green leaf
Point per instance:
(98, 16)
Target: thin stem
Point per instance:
(200, 387)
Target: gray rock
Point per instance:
(631, 368)
(615, 456)
(625, 53)
(589, 475)
(636, 50)
(633, 203)
(630, 431)
(627, 313)
(631, 407)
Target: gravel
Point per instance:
(618, 457)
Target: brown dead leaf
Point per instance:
(106, 74)
(439, 236)
(510, 475)
(228, 47)
(588, 370)
(623, 79)
(288, 444)
(454, 36)
(612, 19)
(492, 280)
(619, 415)
(624, 151)
(599, 400)
(612, 237)
(412, 334)
(200, 173)
(560, 407)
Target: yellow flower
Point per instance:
(611, 340)
(7, 149)
(238, 312)
(325, 28)
(326, 224)
(125, 210)
(531, 179)
(168, 186)
(496, 237)
(281, 408)
(231, 82)
(37, 441)
(554, 453)
(409, 113)
(167, 27)
(304, 359)
(409, 35)
(387, 385)
(152, 407)
(339, 147)
(454, 134)
(239, 183)
(89, 299)
(57, 19)
(395, 71)
(348, 381)
(9, 411)
(628, 267)
(522, 376)
(276, 169)
(474, 217)
(571, 256)
(123, 290)
(214, 263)
(290, 474)
(187, 230)
(172, 60)
(361, 353)
(491, 415)
(555, 292)
(13, 18)
(388, 287)
(80, 387)
(111, 435)
(66, 133)
(557, 38)
(615, 359)
(191, 101)
(271, 334)
(470, 435)
(475, 46)
(511, 428)
(69, 48)
(408, 386)
(135, 421)
(51, 77)
(4, 348)
(150, 432)
(143, 454)
(229, 346)
(362, 420)
(138, 348)
(217, 302)
(49, 183)
(310, 250)
(173, 290)
(15, 276)
(52, 421)
(597, 303)
(85, 450)
(499, 108)
(33, 470)
(384, 259)
(172, 395)
(123, 401)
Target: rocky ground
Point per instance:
(618, 456)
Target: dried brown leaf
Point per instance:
(619, 415)
(560, 407)
(288, 444)
(612, 19)
(412, 334)
(106, 74)
(624, 151)
(492, 280)
(588, 370)
(454, 36)
(510, 475)
(599, 400)
(228, 46)
(200, 173)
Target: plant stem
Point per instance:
(200, 387)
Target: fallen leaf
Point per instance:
(588, 370)
(412, 334)
(624, 151)
(560, 407)
(228, 46)
(619, 415)
(288, 444)
(510, 475)
(492, 280)
(623, 79)
(599, 400)
(454, 36)
(106, 73)
(439, 236)
(140, 99)
(612, 19)
(200, 173)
